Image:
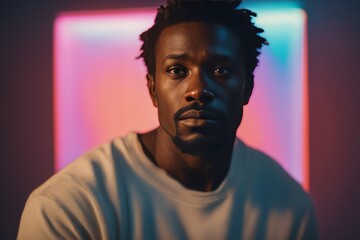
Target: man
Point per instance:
(190, 178)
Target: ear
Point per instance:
(248, 88)
(151, 87)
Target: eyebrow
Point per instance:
(185, 56)
(179, 56)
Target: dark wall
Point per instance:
(334, 71)
(26, 139)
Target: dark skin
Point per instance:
(199, 89)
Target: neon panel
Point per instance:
(100, 89)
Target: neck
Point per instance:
(197, 172)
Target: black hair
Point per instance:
(223, 12)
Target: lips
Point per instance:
(202, 114)
(198, 118)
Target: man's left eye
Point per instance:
(222, 71)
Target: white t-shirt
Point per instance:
(116, 192)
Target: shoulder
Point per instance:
(62, 207)
(271, 190)
(92, 169)
(268, 180)
(76, 200)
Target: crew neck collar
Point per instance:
(159, 178)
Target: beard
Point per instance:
(204, 141)
(191, 147)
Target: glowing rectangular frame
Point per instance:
(100, 89)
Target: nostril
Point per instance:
(189, 99)
(208, 95)
(204, 96)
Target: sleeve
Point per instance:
(63, 209)
(45, 218)
(308, 226)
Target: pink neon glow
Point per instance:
(305, 109)
(100, 89)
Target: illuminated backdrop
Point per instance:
(100, 89)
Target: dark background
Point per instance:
(26, 106)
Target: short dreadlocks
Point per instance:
(223, 12)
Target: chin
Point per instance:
(200, 145)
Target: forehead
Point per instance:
(196, 38)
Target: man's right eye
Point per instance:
(177, 71)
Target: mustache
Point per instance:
(196, 107)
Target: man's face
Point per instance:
(198, 86)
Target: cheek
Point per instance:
(169, 101)
(237, 84)
(236, 88)
(234, 92)
(234, 101)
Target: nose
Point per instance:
(198, 91)
(200, 95)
